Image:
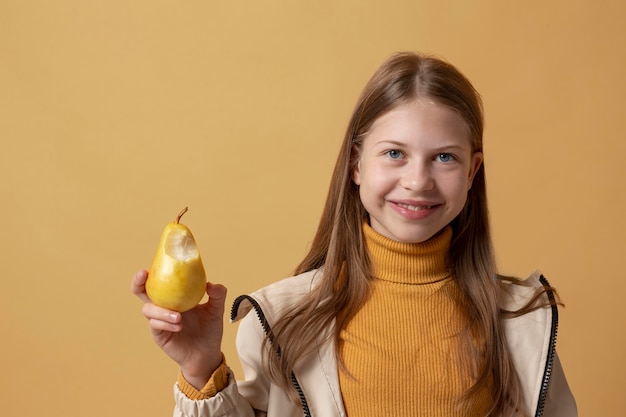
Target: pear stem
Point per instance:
(181, 214)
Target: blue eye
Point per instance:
(394, 154)
(445, 157)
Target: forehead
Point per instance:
(420, 120)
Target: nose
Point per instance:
(417, 176)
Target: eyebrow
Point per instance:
(451, 147)
(403, 145)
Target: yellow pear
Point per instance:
(176, 279)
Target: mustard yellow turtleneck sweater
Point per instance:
(402, 347)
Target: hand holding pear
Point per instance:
(192, 339)
(176, 283)
(176, 280)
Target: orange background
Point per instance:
(115, 115)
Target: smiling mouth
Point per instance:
(414, 208)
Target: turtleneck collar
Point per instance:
(408, 263)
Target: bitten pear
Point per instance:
(176, 280)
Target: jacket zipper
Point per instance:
(551, 349)
(270, 336)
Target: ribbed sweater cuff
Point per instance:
(217, 382)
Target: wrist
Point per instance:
(199, 376)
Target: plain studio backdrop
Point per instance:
(115, 115)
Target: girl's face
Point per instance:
(414, 170)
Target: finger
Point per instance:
(152, 312)
(158, 326)
(217, 295)
(216, 291)
(138, 285)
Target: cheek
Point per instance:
(376, 183)
(456, 186)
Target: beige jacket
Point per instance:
(531, 339)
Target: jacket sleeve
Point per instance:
(560, 401)
(227, 403)
(248, 398)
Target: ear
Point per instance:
(475, 163)
(356, 172)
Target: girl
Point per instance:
(397, 310)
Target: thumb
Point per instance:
(217, 296)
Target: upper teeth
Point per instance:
(414, 208)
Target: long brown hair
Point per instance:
(338, 247)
